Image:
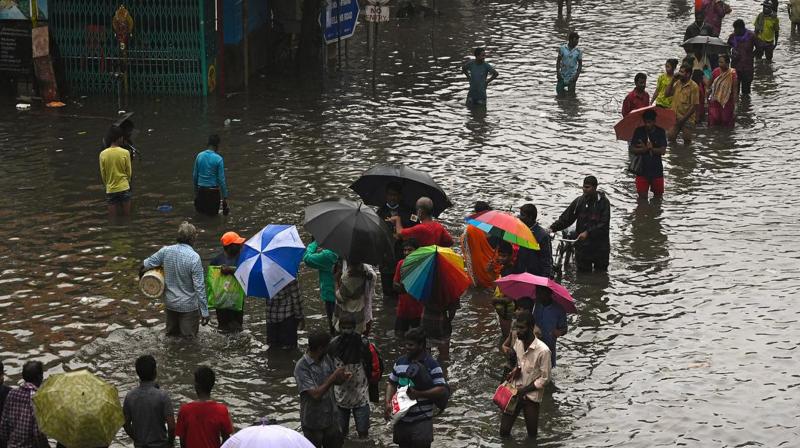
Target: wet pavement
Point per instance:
(690, 339)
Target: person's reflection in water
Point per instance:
(648, 243)
(477, 124)
(561, 9)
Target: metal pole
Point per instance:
(375, 55)
(246, 45)
(339, 34)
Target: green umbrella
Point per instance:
(78, 409)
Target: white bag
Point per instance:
(401, 404)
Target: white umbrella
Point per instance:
(267, 436)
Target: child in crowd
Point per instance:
(660, 97)
(409, 310)
(503, 305)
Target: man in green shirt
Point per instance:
(323, 260)
(479, 73)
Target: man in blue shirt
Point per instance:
(426, 384)
(209, 180)
(184, 283)
(478, 73)
(550, 318)
(569, 65)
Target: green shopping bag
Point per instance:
(224, 291)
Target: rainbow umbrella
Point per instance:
(506, 226)
(434, 268)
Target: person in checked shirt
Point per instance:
(18, 427)
(185, 288)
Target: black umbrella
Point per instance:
(371, 186)
(353, 231)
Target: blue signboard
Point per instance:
(338, 19)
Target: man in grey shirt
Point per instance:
(315, 377)
(149, 417)
(184, 281)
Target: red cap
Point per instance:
(231, 238)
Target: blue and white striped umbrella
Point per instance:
(270, 260)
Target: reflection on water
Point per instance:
(695, 318)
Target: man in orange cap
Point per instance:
(223, 293)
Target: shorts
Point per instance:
(437, 326)
(656, 185)
(417, 434)
(207, 201)
(403, 324)
(562, 86)
(504, 308)
(118, 197)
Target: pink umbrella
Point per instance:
(524, 285)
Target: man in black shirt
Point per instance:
(592, 211)
(393, 207)
(698, 28)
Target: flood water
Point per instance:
(691, 339)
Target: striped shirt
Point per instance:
(184, 279)
(399, 377)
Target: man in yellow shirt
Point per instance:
(767, 27)
(116, 172)
(685, 97)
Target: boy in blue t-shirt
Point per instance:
(425, 378)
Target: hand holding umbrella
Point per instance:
(78, 409)
(270, 260)
(524, 285)
(433, 269)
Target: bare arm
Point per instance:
(390, 391)
(170, 421)
(335, 378)
(558, 65)
(492, 75)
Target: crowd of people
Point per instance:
(704, 85)
(339, 375)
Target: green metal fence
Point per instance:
(170, 49)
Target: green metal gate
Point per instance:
(169, 49)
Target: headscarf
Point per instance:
(722, 87)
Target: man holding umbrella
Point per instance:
(428, 231)
(393, 207)
(650, 143)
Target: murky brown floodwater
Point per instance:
(690, 340)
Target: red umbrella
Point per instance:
(524, 285)
(665, 119)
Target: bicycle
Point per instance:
(564, 252)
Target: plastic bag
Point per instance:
(224, 291)
(401, 403)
